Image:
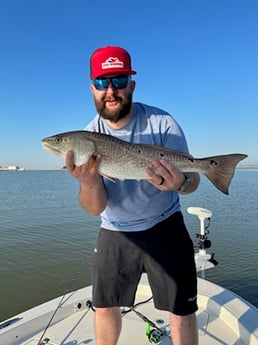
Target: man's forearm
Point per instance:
(93, 197)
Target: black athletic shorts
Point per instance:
(165, 252)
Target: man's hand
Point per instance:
(86, 173)
(165, 176)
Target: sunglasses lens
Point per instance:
(101, 84)
(117, 82)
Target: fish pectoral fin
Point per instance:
(91, 162)
(108, 177)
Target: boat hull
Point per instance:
(223, 318)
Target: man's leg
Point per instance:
(108, 323)
(184, 329)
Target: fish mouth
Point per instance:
(49, 147)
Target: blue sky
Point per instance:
(194, 59)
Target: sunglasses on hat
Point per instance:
(119, 82)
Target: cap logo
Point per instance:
(112, 62)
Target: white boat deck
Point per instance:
(223, 318)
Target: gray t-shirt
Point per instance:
(137, 205)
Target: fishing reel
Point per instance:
(153, 334)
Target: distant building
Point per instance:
(12, 168)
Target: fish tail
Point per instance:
(221, 170)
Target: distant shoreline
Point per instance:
(247, 167)
(64, 169)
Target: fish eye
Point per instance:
(58, 140)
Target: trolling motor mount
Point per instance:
(202, 214)
(203, 260)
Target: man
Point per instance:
(142, 228)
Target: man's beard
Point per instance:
(121, 112)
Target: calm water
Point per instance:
(47, 240)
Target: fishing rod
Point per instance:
(46, 340)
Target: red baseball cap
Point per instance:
(110, 60)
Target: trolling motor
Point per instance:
(203, 260)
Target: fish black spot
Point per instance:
(139, 150)
(191, 159)
(162, 155)
(213, 162)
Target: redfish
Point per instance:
(128, 161)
